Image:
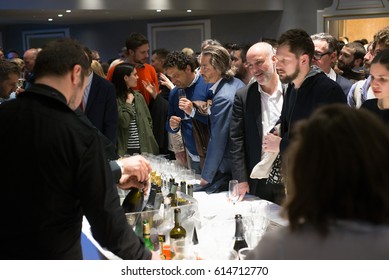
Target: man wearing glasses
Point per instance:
(325, 57)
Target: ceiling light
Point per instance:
(50, 19)
(60, 15)
(68, 11)
(188, 11)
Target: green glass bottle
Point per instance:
(177, 232)
(133, 201)
(146, 235)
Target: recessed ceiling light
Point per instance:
(158, 11)
(60, 15)
(50, 19)
(68, 11)
(188, 11)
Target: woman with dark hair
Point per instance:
(338, 196)
(135, 133)
(379, 72)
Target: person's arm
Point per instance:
(100, 204)
(237, 136)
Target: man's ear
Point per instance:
(304, 59)
(358, 62)
(76, 74)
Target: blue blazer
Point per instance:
(218, 158)
(101, 107)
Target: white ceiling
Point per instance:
(87, 11)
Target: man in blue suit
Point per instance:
(215, 67)
(99, 104)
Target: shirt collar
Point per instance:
(215, 85)
(332, 75)
(197, 75)
(278, 91)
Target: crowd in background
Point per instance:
(256, 113)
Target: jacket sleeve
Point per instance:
(237, 135)
(126, 113)
(220, 129)
(100, 204)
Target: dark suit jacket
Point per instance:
(101, 108)
(246, 132)
(344, 83)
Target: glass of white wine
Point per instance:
(21, 80)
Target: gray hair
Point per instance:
(220, 59)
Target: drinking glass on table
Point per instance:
(233, 191)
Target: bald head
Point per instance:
(261, 61)
(261, 47)
(29, 58)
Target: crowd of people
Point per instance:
(287, 118)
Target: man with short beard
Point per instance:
(308, 86)
(350, 61)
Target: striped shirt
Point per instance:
(133, 136)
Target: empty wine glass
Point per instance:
(182, 94)
(233, 192)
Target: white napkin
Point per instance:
(262, 169)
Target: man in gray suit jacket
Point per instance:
(325, 56)
(256, 110)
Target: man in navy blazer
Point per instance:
(99, 104)
(101, 107)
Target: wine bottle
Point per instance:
(183, 186)
(133, 202)
(177, 232)
(173, 195)
(164, 228)
(146, 235)
(240, 241)
(190, 190)
(158, 196)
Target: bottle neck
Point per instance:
(177, 218)
(239, 230)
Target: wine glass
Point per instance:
(21, 80)
(233, 192)
(182, 94)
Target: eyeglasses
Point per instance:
(318, 56)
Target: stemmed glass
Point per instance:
(182, 94)
(233, 192)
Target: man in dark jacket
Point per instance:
(65, 171)
(308, 86)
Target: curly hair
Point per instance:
(181, 60)
(382, 37)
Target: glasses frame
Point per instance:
(318, 55)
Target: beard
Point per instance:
(286, 79)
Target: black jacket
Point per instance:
(316, 90)
(54, 171)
